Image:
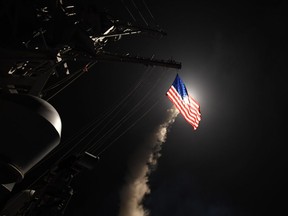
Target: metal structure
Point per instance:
(36, 63)
(61, 38)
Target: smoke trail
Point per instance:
(144, 161)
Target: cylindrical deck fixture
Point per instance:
(30, 128)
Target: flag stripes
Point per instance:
(187, 106)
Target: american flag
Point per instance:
(187, 106)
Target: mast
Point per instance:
(40, 64)
(45, 58)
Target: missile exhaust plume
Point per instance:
(141, 165)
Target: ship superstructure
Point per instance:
(48, 45)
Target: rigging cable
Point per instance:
(98, 144)
(127, 129)
(113, 141)
(139, 12)
(65, 79)
(91, 127)
(80, 72)
(107, 115)
(94, 147)
(124, 100)
(146, 6)
(128, 11)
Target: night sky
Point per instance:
(234, 58)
